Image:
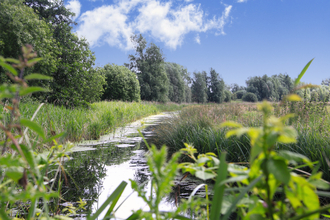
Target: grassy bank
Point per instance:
(199, 126)
(88, 124)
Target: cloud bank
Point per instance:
(115, 24)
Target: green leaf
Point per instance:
(14, 173)
(37, 76)
(33, 126)
(31, 89)
(293, 158)
(205, 174)
(279, 169)
(219, 188)
(320, 184)
(33, 61)
(296, 82)
(240, 197)
(11, 60)
(113, 198)
(10, 162)
(9, 68)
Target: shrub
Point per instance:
(249, 97)
(227, 96)
(239, 94)
(121, 84)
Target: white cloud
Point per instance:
(114, 24)
(240, 1)
(74, 6)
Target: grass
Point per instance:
(199, 126)
(87, 124)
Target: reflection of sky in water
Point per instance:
(115, 174)
(121, 163)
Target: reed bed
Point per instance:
(80, 124)
(199, 126)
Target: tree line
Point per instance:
(67, 58)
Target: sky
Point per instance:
(237, 38)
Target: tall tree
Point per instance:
(75, 60)
(198, 88)
(19, 25)
(148, 64)
(175, 74)
(216, 88)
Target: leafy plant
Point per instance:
(269, 188)
(23, 173)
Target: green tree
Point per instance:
(175, 74)
(71, 84)
(148, 64)
(239, 94)
(249, 97)
(198, 88)
(228, 95)
(19, 25)
(235, 87)
(121, 83)
(216, 87)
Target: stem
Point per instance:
(266, 152)
(207, 205)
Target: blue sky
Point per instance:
(237, 38)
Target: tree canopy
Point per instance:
(121, 83)
(148, 64)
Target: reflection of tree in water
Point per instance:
(85, 173)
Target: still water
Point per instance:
(98, 167)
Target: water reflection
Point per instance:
(94, 175)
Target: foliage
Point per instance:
(47, 26)
(23, 173)
(228, 96)
(272, 88)
(80, 124)
(179, 91)
(198, 88)
(19, 25)
(268, 174)
(249, 97)
(235, 88)
(162, 181)
(239, 94)
(148, 64)
(215, 90)
(121, 83)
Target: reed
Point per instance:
(199, 126)
(80, 124)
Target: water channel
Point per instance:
(98, 167)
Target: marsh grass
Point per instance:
(199, 126)
(80, 124)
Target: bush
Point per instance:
(249, 97)
(121, 84)
(239, 94)
(227, 96)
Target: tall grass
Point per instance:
(199, 126)
(89, 123)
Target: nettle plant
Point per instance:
(25, 190)
(270, 188)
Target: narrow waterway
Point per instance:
(98, 167)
